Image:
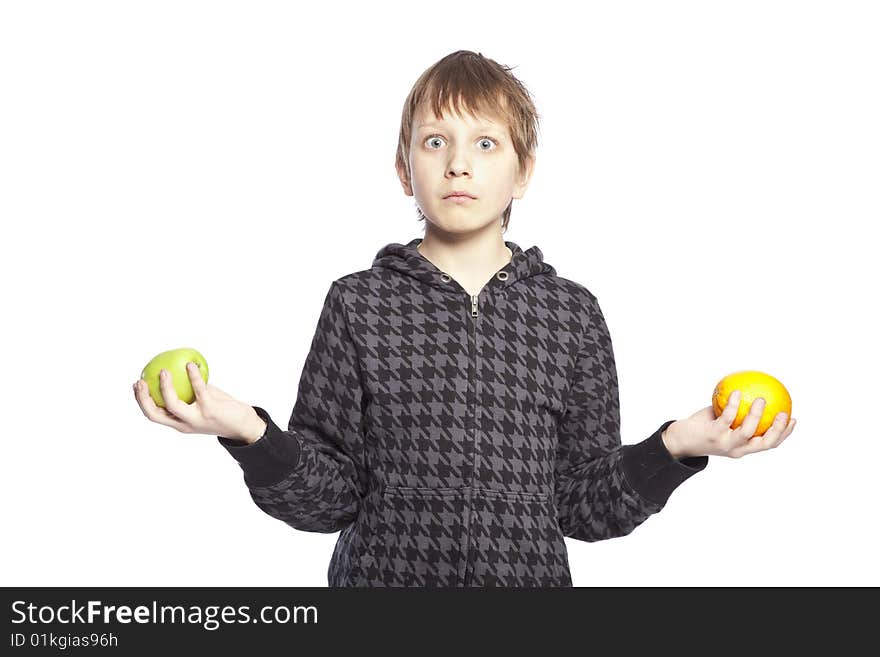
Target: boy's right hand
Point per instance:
(213, 412)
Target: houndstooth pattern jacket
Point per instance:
(456, 439)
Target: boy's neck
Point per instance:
(472, 262)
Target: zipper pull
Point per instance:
(474, 298)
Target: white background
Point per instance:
(197, 173)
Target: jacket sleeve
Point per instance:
(313, 475)
(604, 489)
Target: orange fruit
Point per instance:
(752, 384)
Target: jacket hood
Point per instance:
(406, 259)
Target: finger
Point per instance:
(728, 415)
(788, 430)
(777, 431)
(173, 403)
(752, 418)
(142, 395)
(153, 412)
(742, 440)
(195, 378)
(770, 439)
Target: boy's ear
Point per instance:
(525, 177)
(404, 181)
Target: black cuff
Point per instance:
(268, 460)
(652, 471)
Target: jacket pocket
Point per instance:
(417, 538)
(516, 541)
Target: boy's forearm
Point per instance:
(253, 432)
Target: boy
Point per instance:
(457, 414)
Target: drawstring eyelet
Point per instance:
(445, 278)
(502, 275)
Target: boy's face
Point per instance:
(463, 153)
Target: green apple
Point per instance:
(174, 360)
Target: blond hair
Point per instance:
(484, 87)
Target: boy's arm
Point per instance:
(605, 489)
(312, 476)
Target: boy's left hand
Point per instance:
(704, 434)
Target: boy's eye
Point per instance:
(431, 140)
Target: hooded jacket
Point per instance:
(456, 439)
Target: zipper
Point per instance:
(467, 547)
